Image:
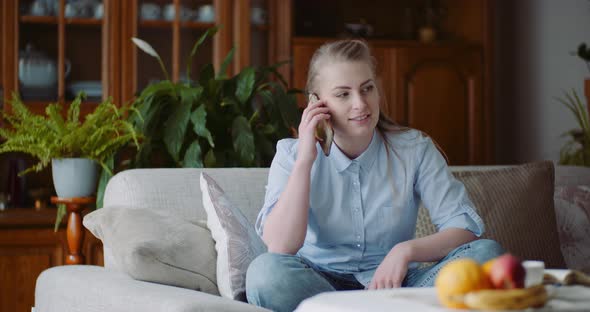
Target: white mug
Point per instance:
(98, 11)
(534, 272)
(150, 11)
(169, 12)
(206, 13)
(258, 16)
(38, 8)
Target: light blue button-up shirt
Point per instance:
(358, 212)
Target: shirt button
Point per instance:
(355, 183)
(358, 245)
(358, 237)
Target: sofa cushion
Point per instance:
(572, 207)
(236, 241)
(516, 204)
(157, 248)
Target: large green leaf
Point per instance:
(226, 61)
(105, 176)
(243, 140)
(192, 157)
(199, 120)
(209, 33)
(175, 126)
(246, 80)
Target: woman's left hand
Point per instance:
(392, 271)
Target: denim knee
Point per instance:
(268, 277)
(264, 272)
(280, 281)
(483, 250)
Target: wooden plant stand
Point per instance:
(74, 232)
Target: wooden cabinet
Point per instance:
(28, 245)
(439, 91)
(98, 51)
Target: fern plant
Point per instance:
(49, 136)
(98, 137)
(577, 150)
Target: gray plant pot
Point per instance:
(74, 177)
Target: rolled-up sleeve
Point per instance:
(278, 174)
(442, 194)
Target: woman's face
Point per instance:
(351, 94)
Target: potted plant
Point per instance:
(584, 53)
(576, 151)
(73, 147)
(214, 120)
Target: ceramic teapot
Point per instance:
(37, 70)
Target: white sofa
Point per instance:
(173, 191)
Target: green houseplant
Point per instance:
(52, 137)
(215, 120)
(577, 150)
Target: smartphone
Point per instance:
(323, 132)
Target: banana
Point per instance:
(507, 299)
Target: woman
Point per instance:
(347, 220)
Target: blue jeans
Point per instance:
(281, 281)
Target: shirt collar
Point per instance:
(365, 160)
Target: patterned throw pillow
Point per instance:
(236, 241)
(572, 208)
(516, 205)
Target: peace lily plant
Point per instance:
(214, 120)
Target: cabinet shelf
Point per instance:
(196, 25)
(168, 24)
(155, 24)
(32, 19)
(84, 21)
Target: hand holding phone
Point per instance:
(323, 132)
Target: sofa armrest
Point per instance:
(93, 288)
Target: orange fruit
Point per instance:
(456, 279)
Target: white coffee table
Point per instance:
(570, 298)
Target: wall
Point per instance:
(533, 64)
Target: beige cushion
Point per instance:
(157, 248)
(572, 207)
(517, 207)
(236, 241)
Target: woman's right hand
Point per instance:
(313, 113)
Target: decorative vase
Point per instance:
(74, 177)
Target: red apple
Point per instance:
(507, 272)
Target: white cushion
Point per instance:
(156, 248)
(236, 241)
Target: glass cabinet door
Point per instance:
(62, 47)
(262, 32)
(171, 27)
(260, 35)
